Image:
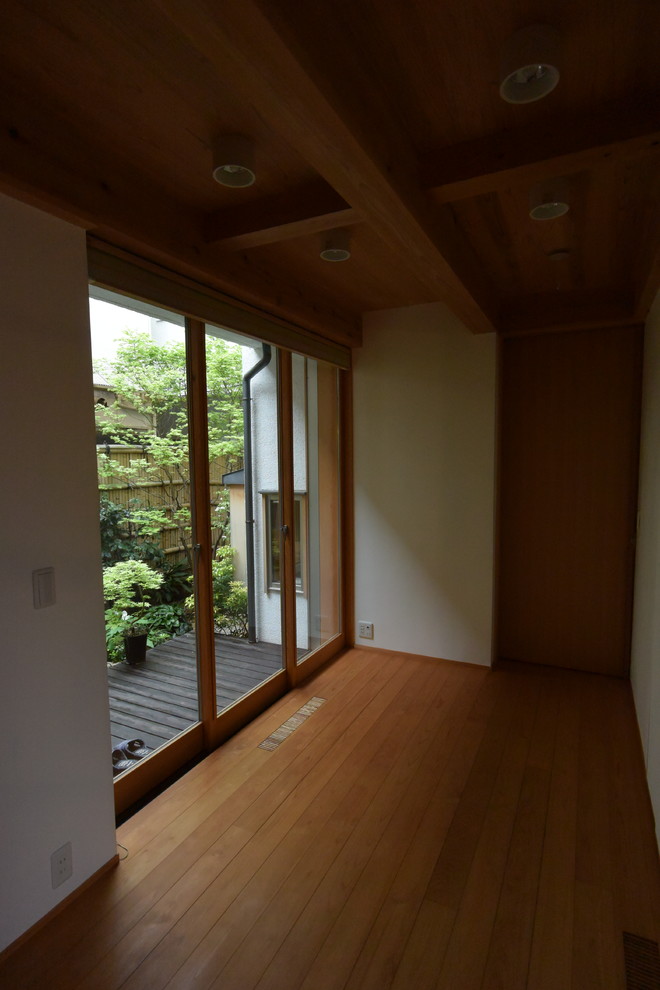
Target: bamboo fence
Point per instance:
(153, 486)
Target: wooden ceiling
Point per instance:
(378, 115)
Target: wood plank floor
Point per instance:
(157, 699)
(432, 825)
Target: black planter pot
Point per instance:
(135, 648)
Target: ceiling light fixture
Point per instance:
(336, 246)
(548, 200)
(233, 161)
(529, 64)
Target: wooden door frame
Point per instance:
(201, 522)
(299, 672)
(129, 276)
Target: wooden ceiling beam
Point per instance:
(305, 209)
(329, 110)
(622, 130)
(46, 163)
(556, 146)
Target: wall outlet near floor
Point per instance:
(61, 864)
(366, 630)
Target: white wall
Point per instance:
(645, 664)
(55, 770)
(265, 476)
(424, 483)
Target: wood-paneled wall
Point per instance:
(568, 487)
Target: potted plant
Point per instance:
(126, 585)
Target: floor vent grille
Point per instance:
(291, 724)
(642, 962)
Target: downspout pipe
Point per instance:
(249, 495)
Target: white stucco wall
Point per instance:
(645, 663)
(265, 476)
(55, 771)
(424, 453)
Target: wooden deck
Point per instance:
(157, 699)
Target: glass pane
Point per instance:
(272, 516)
(273, 541)
(244, 479)
(316, 481)
(144, 497)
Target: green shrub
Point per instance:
(115, 633)
(233, 620)
(124, 534)
(176, 582)
(222, 570)
(163, 622)
(229, 596)
(126, 585)
(159, 622)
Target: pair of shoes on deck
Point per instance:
(126, 754)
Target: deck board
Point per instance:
(157, 699)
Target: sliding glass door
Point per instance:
(144, 490)
(242, 432)
(316, 505)
(219, 502)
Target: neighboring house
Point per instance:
(235, 483)
(266, 499)
(105, 397)
(108, 320)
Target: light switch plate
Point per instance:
(43, 587)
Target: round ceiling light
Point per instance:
(233, 161)
(336, 246)
(548, 211)
(548, 200)
(529, 64)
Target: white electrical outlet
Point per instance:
(366, 630)
(61, 864)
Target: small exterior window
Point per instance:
(272, 519)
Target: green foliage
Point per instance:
(229, 596)
(176, 582)
(222, 571)
(115, 544)
(151, 378)
(163, 622)
(126, 585)
(123, 535)
(159, 622)
(116, 627)
(233, 620)
(220, 517)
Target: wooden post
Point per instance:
(287, 555)
(201, 520)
